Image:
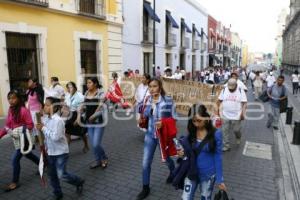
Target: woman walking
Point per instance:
(159, 106)
(18, 117)
(203, 148)
(73, 101)
(295, 81)
(258, 84)
(94, 120)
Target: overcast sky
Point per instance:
(254, 20)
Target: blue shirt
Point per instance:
(208, 163)
(155, 112)
(276, 92)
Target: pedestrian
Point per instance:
(202, 148)
(157, 72)
(73, 101)
(178, 75)
(95, 111)
(270, 80)
(168, 73)
(258, 84)
(295, 81)
(276, 93)
(56, 90)
(252, 77)
(159, 106)
(53, 129)
(35, 99)
(18, 117)
(232, 105)
(241, 85)
(183, 72)
(141, 93)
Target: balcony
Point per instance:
(148, 36)
(196, 45)
(91, 8)
(186, 43)
(43, 3)
(171, 40)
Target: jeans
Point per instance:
(150, 144)
(16, 158)
(273, 116)
(295, 87)
(206, 189)
(229, 126)
(57, 169)
(95, 137)
(258, 91)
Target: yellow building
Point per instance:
(69, 39)
(245, 55)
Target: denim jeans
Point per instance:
(150, 144)
(16, 158)
(57, 169)
(273, 116)
(206, 189)
(95, 137)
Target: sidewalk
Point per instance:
(250, 173)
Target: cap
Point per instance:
(232, 83)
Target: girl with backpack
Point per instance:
(202, 149)
(18, 122)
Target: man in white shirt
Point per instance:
(56, 90)
(270, 80)
(178, 75)
(232, 105)
(240, 84)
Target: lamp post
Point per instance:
(154, 38)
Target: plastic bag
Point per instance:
(222, 195)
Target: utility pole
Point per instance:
(154, 38)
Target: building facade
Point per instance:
(69, 39)
(291, 38)
(280, 28)
(236, 49)
(245, 57)
(212, 41)
(180, 35)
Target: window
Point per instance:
(147, 63)
(169, 60)
(94, 8)
(88, 55)
(182, 60)
(22, 59)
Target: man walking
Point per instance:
(276, 93)
(232, 103)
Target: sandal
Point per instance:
(12, 187)
(104, 163)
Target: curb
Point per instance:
(290, 161)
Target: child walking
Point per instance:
(53, 128)
(17, 118)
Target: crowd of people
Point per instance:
(199, 152)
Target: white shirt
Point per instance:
(232, 103)
(141, 92)
(270, 81)
(252, 76)
(73, 102)
(211, 77)
(295, 78)
(227, 75)
(54, 132)
(57, 92)
(178, 76)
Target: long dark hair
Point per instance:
(55, 102)
(201, 110)
(38, 89)
(73, 85)
(16, 110)
(160, 85)
(95, 81)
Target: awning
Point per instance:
(151, 12)
(172, 20)
(186, 27)
(196, 30)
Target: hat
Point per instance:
(232, 83)
(235, 72)
(168, 69)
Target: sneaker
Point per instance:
(144, 193)
(275, 128)
(238, 141)
(169, 179)
(226, 149)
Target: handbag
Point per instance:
(283, 105)
(222, 195)
(264, 96)
(143, 122)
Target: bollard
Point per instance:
(296, 136)
(289, 115)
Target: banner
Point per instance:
(184, 93)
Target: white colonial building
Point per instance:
(180, 35)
